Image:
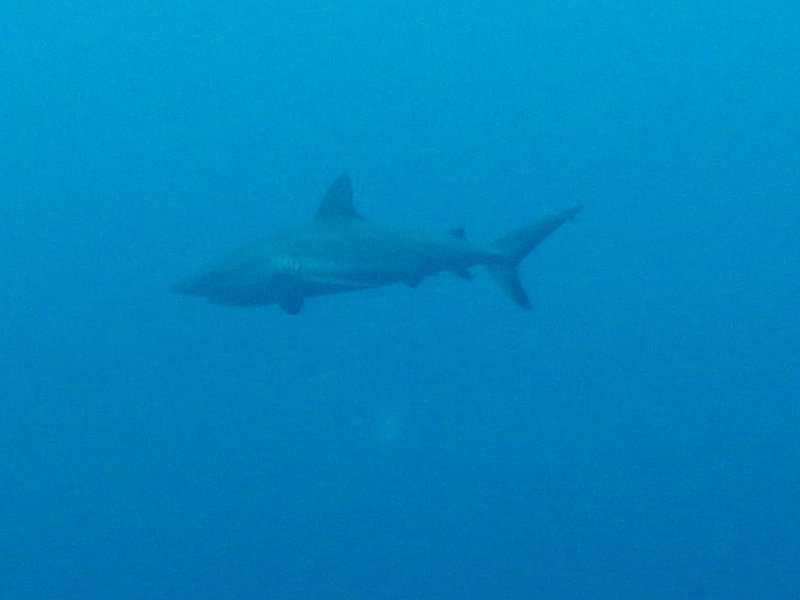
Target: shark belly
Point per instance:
(377, 263)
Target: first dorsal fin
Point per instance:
(338, 202)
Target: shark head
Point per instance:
(243, 283)
(270, 272)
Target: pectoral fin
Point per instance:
(292, 304)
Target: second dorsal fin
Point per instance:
(338, 202)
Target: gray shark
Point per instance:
(340, 251)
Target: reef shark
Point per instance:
(340, 251)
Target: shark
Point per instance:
(341, 251)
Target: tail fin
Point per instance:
(512, 249)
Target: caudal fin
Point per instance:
(510, 250)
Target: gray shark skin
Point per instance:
(340, 251)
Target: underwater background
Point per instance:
(637, 435)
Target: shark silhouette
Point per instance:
(340, 251)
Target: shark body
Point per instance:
(340, 251)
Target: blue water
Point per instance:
(636, 436)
